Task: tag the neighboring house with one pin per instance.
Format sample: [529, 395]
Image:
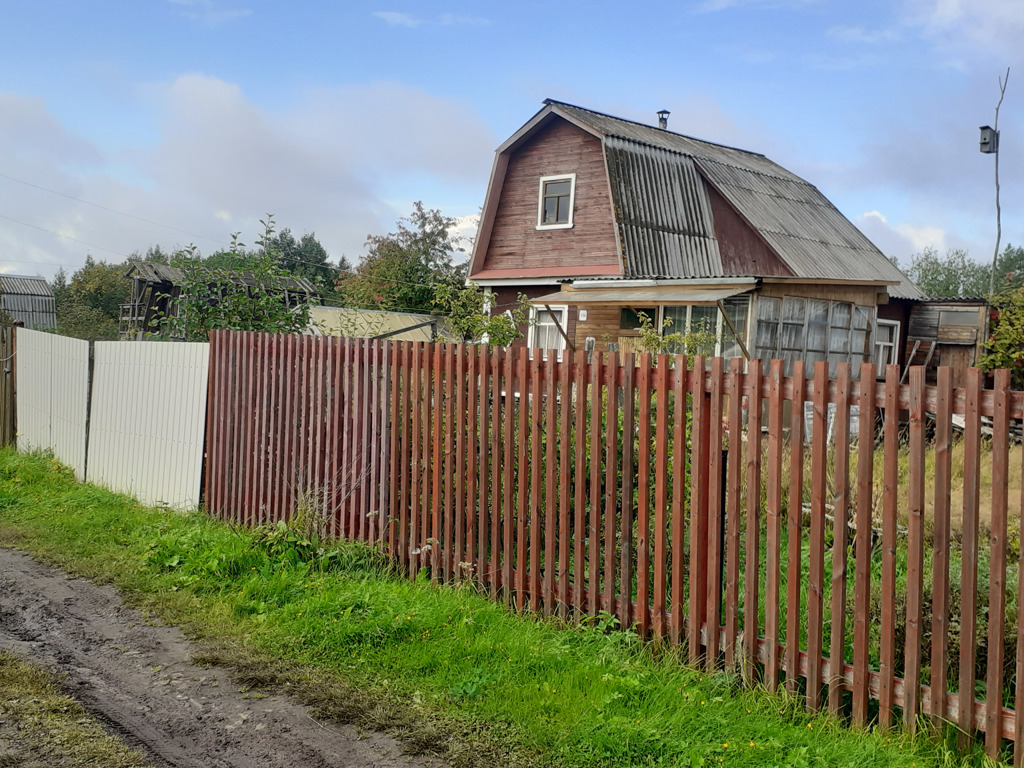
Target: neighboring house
[374, 323]
[157, 287]
[30, 300]
[948, 332]
[596, 219]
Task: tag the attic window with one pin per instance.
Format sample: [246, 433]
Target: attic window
[557, 197]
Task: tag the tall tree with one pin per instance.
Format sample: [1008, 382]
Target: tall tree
[950, 276]
[402, 269]
[306, 257]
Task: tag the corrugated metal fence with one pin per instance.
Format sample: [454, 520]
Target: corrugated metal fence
[132, 420]
[147, 420]
[53, 395]
[668, 498]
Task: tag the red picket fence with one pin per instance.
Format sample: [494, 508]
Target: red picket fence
[666, 497]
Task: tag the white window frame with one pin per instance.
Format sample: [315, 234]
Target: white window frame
[571, 178]
[531, 336]
[893, 354]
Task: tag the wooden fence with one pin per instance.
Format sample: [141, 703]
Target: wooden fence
[666, 494]
[7, 403]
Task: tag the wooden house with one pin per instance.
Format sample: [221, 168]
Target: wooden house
[597, 219]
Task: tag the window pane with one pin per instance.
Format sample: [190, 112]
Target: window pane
[563, 209]
[556, 188]
[550, 210]
[703, 319]
[677, 318]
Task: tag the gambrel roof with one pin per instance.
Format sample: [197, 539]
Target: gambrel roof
[659, 185]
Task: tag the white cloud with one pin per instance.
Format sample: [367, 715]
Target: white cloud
[398, 19]
[981, 26]
[209, 12]
[322, 164]
[852, 34]
[901, 240]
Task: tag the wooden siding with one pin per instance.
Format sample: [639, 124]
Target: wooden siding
[516, 243]
[864, 295]
[506, 297]
[742, 249]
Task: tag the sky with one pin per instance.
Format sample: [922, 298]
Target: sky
[125, 125]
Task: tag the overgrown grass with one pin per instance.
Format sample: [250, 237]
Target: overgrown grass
[444, 669]
[42, 728]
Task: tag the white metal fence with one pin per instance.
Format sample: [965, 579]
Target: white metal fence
[140, 427]
[147, 420]
[53, 395]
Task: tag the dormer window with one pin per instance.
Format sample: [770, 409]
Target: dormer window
[557, 196]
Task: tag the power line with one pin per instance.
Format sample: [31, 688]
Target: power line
[110, 210]
[58, 234]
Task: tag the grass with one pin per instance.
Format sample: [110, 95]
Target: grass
[444, 669]
[42, 728]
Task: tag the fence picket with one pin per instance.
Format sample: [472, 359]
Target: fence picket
[611, 439]
[841, 496]
[969, 553]
[997, 565]
[773, 524]
[940, 544]
[579, 497]
[550, 480]
[679, 474]
[890, 508]
[752, 532]
[915, 553]
[734, 488]
[564, 485]
[660, 493]
[626, 491]
[794, 524]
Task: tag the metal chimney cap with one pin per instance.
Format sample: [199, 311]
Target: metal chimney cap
[663, 118]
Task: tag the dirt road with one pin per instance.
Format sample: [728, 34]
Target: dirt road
[137, 677]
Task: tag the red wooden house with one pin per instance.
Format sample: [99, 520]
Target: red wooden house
[597, 219]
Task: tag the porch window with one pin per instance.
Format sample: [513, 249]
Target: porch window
[887, 334]
[557, 199]
[706, 318]
[543, 333]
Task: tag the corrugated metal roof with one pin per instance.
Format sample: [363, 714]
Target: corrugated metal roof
[30, 300]
[657, 179]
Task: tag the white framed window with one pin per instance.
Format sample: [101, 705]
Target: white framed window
[706, 318]
[887, 335]
[557, 200]
[544, 334]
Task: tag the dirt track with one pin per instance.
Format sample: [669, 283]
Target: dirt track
[137, 677]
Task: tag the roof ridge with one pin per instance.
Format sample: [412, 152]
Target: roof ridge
[550, 102]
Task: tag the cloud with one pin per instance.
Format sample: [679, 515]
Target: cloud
[851, 34]
[711, 6]
[209, 12]
[992, 27]
[398, 19]
[903, 239]
[326, 163]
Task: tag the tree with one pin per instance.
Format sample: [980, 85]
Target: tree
[307, 258]
[210, 299]
[1005, 345]
[950, 276]
[470, 318]
[402, 269]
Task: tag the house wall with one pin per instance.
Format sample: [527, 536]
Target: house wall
[742, 249]
[515, 241]
[507, 297]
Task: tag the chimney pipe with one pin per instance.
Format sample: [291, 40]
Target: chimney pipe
[663, 118]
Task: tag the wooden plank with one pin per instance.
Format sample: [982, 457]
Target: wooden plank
[493, 512]
[890, 506]
[536, 468]
[714, 518]
[698, 475]
[1018, 699]
[841, 502]
[611, 436]
[550, 489]
[416, 467]
[915, 553]
[643, 499]
[794, 525]
[564, 485]
[940, 546]
[426, 452]
[395, 454]
[773, 524]
[360, 437]
[816, 569]
[405, 456]
[508, 478]
[458, 543]
[580, 374]
[626, 487]
[734, 489]
[752, 533]
[522, 503]
[468, 555]
[438, 432]
[484, 463]
[997, 563]
[679, 478]
[863, 543]
[969, 551]
[594, 453]
[347, 478]
[661, 530]
[449, 559]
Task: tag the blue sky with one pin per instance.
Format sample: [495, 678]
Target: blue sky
[124, 125]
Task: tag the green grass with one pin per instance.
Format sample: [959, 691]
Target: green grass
[42, 728]
[446, 670]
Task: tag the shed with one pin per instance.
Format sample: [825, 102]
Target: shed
[30, 300]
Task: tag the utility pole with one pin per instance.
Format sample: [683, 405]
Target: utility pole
[990, 146]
